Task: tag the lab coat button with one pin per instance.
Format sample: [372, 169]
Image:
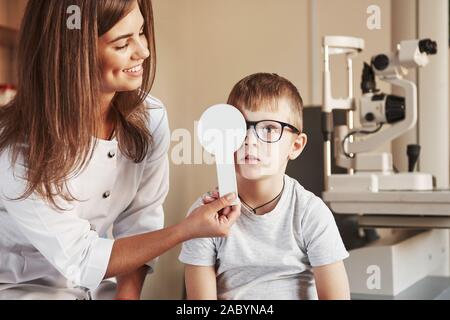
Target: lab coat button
[106, 194]
[70, 284]
[71, 276]
[111, 154]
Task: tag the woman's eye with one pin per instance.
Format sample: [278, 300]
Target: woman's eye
[122, 47]
[126, 45]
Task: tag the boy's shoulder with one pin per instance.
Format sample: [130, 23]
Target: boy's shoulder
[302, 195]
[303, 199]
[197, 203]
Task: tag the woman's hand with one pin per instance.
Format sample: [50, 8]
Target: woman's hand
[212, 196]
[213, 219]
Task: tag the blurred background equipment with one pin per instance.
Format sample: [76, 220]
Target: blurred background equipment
[401, 265]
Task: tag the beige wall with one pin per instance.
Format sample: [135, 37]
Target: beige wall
[5, 66]
[5, 53]
[11, 12]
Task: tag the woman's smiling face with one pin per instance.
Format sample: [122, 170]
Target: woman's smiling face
[122, 51]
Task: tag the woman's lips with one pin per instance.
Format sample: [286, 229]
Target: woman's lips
[135, 71]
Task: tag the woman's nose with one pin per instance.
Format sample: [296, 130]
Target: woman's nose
[142, 52]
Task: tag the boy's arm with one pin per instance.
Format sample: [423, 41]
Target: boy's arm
[200, 282]
[332, 282]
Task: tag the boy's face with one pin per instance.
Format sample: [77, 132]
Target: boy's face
[256, 158]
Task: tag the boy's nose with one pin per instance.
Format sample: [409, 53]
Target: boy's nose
[251, 137]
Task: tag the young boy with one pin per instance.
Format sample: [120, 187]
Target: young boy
[285, 245]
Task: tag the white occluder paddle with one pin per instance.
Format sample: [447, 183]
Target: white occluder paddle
[221, 132]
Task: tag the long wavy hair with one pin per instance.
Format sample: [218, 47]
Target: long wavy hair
[54, 116]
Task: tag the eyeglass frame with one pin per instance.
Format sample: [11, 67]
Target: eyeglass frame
[253, 124]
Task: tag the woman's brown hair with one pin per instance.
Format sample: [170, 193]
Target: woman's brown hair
[54, 116]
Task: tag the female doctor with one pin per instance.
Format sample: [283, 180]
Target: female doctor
[83, 149]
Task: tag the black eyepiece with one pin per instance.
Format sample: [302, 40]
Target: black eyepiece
[368, 83]
[380, 62]
[428, 46]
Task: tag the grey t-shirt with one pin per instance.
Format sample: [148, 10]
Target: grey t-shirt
[271, 256]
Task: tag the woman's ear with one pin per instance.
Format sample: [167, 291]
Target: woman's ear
[298, 146]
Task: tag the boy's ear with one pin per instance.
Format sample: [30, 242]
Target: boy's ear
[298, 146]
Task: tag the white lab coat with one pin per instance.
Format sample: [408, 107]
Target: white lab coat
[46, 254]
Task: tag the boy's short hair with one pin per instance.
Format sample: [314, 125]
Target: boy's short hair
[259, 89]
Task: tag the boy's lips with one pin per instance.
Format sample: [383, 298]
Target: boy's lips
[251, 159]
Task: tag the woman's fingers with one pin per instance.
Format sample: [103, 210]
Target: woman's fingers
[210, 197]
[207, 199]
[226, 210]
[220, 215]
[222, 202]
[234, 214]
[213, 196]
[209, 221]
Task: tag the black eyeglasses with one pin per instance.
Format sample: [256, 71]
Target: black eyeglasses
[270, 131]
